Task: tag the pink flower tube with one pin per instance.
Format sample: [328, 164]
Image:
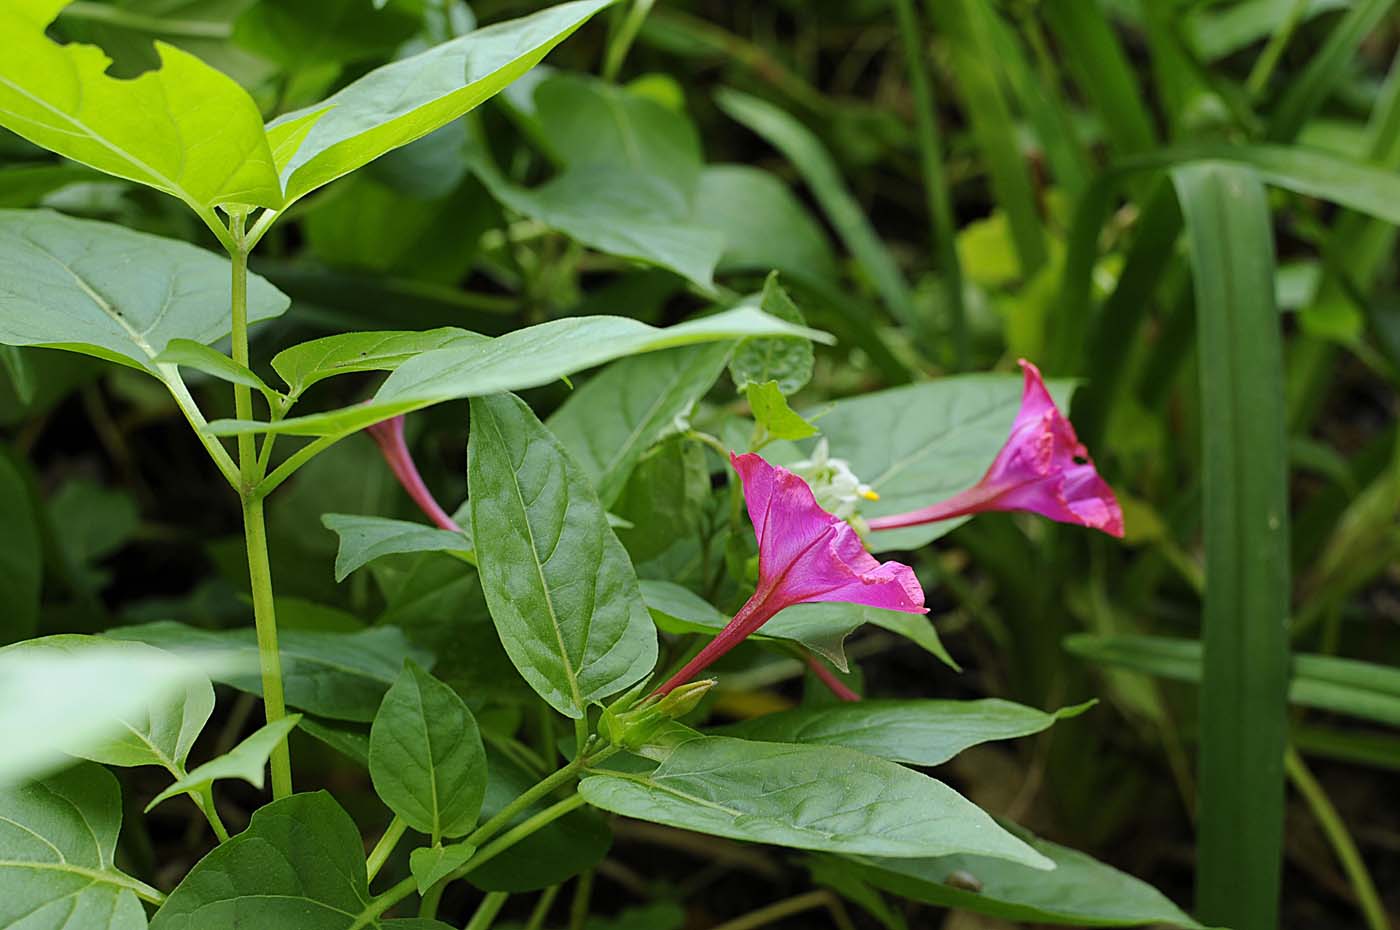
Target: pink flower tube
[389, 436]
[805, 556]
[1043, 468]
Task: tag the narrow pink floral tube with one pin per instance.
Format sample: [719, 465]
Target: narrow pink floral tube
[388, 434]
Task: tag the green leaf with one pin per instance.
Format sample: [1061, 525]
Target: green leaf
[913, 732]
[26, 185]
[1080, 892]
[524, 358]
[811, 159]
[1245, 477]
[21, 565]
[786, 360]
[106, 701]
[409, 98]
[196, 355]
[609, 423]
[1345, 686]
[185, 128]
[919, 444]
[364, 539]
[560, 586]
[303, 365]
[764, 225]
[426, 758]
[309, 33]
[809, 797]
[772, 413]
[69, 284]
[349, 739]
[664, 501]
[247, 760]
[431, 864]
[339, 675]
[300, 863]
[58, 838]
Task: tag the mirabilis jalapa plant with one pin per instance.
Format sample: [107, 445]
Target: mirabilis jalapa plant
[562, 590]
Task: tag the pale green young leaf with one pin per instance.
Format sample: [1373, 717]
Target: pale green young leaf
[809, 797]
[409, 98]
[560, 587]
[190, 354]
[611, 421]
[924, 732]
[300, 856]
[784, 360]
[58, 840]
[431, 864]
[68, 283]
[247, 760]
[773, 415]
[425, 756]
[184, 128]
[303, 365]
[21, 565]
[1080, 892]
[339, 675]
[364, 539]
[119, 703]
[521, 359]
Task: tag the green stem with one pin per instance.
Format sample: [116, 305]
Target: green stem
[1269, 58]
[380, 853]
[254, 526]
[428, 909]
[583, 898]
[512, 810]
[1342, 844]
[623, 38]
[160, 25]
[205, 802]
[935, 180]
[486, 913]
[170, 374]
[777, 911]
[294, 461]
[541, 911]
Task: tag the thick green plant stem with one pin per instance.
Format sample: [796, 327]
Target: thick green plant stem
[205, 801]
[1342, 844]
[583, 899]
[778, 910]
[940, 207]
[541, 912]
[488, 909]
[382, 849]
[254, 525]
[623, 38]
[508, 813]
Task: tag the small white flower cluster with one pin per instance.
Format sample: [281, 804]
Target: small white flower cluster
[837, 489]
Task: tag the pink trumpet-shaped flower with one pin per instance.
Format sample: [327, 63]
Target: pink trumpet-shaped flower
[389, 436]
[805, 555]
[1043, 468]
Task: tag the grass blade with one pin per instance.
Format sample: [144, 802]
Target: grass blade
[1245, 667]
[1326, 67]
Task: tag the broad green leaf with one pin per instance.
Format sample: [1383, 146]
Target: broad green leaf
[561, 589]
[1245, 503]
[1080, 892]
[364, 539]
[58, 839]
[426, 758]
[809, 797]
[91, 522]
[664, 501]
[807, 154]
[184, 128]
[409, 98]
[21, 565]
[431, 864]
[773, 415]
[107, 701]
[339, 675]
[26, 185]
[319, 32]
[524, 358]
[568, 846]
[1345, 686]
[200, 357]
[300, 863]
[303, 365]
[247, 760]
[919, 444]
[610, 422]
[785, 360]
[349, 739]
[763, 224]
[68, 284]
[914, 732]
[616, 213]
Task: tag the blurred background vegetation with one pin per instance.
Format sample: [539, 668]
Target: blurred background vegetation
[946, 186]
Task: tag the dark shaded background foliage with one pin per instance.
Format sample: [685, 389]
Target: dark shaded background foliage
[134, 531]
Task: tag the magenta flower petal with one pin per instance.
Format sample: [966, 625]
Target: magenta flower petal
[805, 556]
[1043, 468]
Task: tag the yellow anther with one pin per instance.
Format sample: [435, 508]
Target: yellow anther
[869, 494]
